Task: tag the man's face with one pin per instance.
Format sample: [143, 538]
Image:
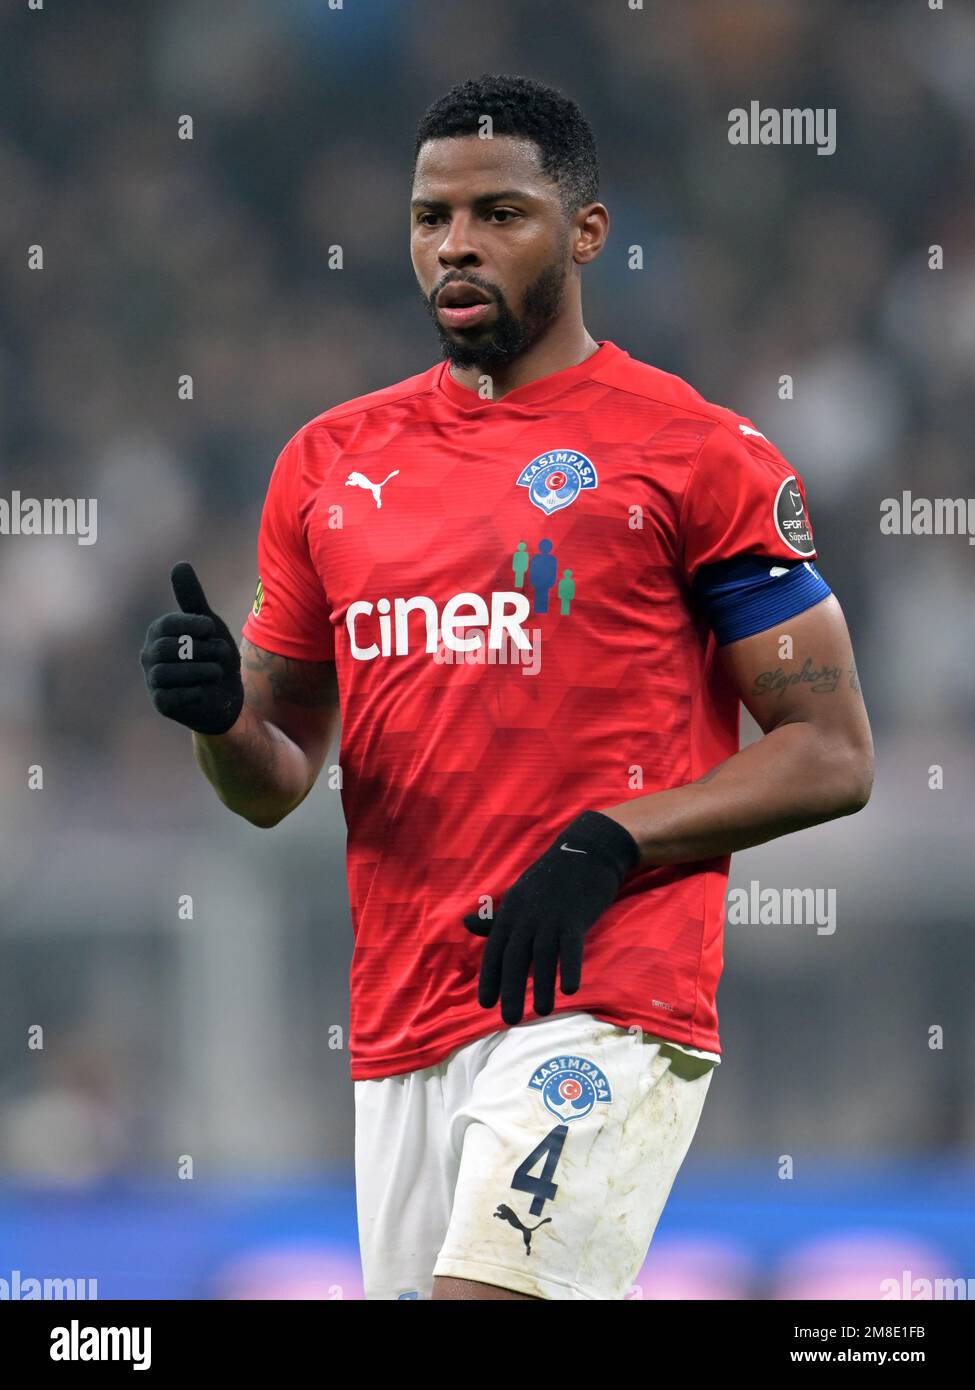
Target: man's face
[488, 223]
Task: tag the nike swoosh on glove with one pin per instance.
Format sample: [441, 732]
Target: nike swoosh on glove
[544, 916]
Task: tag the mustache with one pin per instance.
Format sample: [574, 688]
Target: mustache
[483, 285]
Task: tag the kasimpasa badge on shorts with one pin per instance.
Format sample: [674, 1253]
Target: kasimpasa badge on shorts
[571, 1086]
[554, 479]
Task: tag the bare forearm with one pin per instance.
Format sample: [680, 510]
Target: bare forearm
[792, 778]
[256, 770]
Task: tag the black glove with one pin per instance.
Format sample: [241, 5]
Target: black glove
[544, 916]
[203, 692]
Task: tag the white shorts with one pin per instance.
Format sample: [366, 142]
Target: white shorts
[536, 1159]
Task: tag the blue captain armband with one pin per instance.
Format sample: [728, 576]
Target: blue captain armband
[752, 593]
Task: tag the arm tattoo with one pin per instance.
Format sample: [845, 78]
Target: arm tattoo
[822, 680]
[310, 684]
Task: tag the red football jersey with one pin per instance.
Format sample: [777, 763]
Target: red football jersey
[505, 590]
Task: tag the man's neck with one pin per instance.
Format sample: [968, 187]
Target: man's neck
[555, 352]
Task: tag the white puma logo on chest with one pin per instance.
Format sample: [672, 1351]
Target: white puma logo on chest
[360, 480]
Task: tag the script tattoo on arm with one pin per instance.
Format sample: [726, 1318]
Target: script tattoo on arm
[820, 680]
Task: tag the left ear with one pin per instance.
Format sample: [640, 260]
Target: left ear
[590, 230]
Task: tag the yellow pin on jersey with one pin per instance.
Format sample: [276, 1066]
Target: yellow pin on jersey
[258, 598]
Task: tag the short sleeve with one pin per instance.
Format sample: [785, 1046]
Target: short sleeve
[290, 614]
[742, 498]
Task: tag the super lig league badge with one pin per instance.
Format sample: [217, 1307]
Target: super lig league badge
[571, 1087]
[555, 479]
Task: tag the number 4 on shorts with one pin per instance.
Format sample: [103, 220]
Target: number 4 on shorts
[543, 1189]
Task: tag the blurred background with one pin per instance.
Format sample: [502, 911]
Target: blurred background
[222, 1038]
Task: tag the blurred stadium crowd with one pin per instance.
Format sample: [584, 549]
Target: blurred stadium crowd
[209, 256]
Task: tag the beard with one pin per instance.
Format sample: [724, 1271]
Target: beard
[510, 334]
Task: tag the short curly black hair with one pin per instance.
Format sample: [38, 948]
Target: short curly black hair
[532, 110]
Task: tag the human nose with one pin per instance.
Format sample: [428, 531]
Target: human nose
[458, 246]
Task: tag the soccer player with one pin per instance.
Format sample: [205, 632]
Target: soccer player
[538, 580]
